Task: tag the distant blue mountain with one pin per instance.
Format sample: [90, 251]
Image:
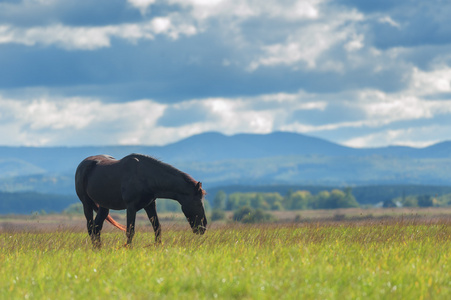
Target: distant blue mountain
[204, 147]
[216, 146]
[217, 159]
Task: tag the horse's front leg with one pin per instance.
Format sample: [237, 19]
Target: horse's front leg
[151, 211]
[131, 217]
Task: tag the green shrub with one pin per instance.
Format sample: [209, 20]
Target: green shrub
[242, 212]
[247, 214]
[217, 215]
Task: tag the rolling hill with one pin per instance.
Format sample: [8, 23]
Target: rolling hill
[217, 159]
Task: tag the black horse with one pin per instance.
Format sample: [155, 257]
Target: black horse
[132, 183]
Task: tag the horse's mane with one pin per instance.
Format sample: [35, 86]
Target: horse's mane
[171, 169]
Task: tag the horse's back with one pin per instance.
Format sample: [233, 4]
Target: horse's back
[103, 176]
[101, 159]
[87, 165]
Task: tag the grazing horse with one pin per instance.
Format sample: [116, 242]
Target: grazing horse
[132, 183]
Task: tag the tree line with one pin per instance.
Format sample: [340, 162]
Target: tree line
[293, 200]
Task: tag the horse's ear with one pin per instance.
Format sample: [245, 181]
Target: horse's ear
[199, 188]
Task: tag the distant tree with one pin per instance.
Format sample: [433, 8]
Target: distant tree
[220, 199]
[239, 214]
[217, 214]
[257, 216]
[409, 202]
[76, 208]
[389, 203]
[169, 205]
[254, 200]
[272, 198]
[277, 206]
[300, 200]
[334, 199]
[444, 200]
[321, 200]
[425, 201]
[258, 201]
[247, 214]
[348, 200]
[232, 203]
[287, 199]
[237, 200]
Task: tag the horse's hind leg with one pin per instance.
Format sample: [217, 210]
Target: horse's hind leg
[151, 211]
[89, 215]
[102, 213]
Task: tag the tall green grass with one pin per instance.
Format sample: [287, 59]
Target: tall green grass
[375, 261]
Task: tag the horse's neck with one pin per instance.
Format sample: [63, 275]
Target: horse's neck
[176, 190]
[171, 184]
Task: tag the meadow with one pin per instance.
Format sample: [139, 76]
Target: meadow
[396, 258]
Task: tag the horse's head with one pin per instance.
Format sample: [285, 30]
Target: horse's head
[194, 211]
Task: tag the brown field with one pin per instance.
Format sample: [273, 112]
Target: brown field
[52, 222]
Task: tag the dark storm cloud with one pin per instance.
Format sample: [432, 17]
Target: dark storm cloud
[358, 72]
[167, 69]
[415, 22]
[159, 70]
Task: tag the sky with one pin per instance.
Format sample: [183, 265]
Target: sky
[150, 72]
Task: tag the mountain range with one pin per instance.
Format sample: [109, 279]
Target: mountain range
[247, 159]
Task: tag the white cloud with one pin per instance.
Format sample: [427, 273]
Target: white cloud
[355, 43]
[375, 110]
[91, 38]
[142, 5]
[47, 121]
[309, 42]
[412, 136]
[260, 114]
[390, 21]
[86, 38]
[431, 82]
[382, 108]
[202, 10]
[305, 47]
[83, 121]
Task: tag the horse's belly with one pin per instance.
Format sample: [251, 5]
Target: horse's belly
[107, 199]
[105, 192]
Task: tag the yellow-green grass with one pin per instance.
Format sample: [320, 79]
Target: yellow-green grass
[281, 261]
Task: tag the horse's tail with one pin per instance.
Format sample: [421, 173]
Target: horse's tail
[83, 170]
[115, 224]
[110, 219]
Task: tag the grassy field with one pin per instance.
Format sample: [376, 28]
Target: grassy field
[396, 258]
